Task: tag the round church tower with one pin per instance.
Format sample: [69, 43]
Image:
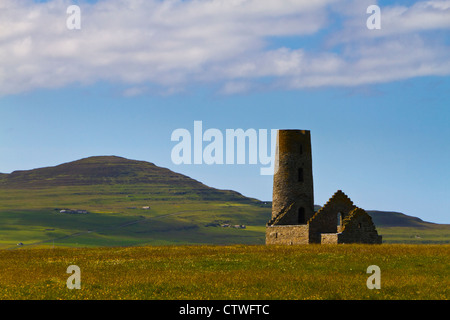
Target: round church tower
[293, 178]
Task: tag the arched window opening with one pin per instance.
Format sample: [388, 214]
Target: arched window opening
[300, 174]
[301, 216]
[339, 219]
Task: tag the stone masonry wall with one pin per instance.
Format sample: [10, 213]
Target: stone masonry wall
[325, 220]
[282, 234]
[329, 238]
[359, 228]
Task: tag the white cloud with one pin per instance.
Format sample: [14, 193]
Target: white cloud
[174, 43]
[134, 91]
[396, 20]
[234, 87]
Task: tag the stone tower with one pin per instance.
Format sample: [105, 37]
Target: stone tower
[293, 194]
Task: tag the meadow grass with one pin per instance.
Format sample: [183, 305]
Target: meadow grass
[228, 272]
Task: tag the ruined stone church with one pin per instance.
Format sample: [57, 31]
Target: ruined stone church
[294, 220]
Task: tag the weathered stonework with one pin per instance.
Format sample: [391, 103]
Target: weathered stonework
[293, 179]
[359, 228]
[293, 218]
[329, 238]
[285, 234]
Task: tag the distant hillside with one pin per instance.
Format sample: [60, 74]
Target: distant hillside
[393, 219]
[96, 170]
[396, 219]
[128, 202]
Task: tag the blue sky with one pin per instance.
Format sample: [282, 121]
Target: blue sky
[377, 102]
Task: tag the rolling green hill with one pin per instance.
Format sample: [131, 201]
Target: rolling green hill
[112, 171]
[397, 227]
[132, 202]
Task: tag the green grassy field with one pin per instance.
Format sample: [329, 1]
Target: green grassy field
[228, 272]
[438, 234]
[177, 223]
[116, 218]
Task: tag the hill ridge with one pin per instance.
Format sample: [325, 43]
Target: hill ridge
[92, 170]
[112, 170]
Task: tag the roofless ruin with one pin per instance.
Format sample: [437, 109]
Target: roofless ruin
[294, 220]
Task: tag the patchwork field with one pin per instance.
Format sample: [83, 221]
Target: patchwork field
[228, 272]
